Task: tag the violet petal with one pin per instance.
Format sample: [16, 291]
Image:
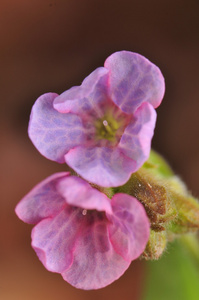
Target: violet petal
[54, 133]
[42, 201]
[133, 80]
[103, 166]
[129, 227]
[78, 192]
[95, 263]
[136, 139]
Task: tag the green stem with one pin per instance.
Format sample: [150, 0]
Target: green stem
[191, 243]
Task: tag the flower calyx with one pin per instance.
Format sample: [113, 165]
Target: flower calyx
[170, 207]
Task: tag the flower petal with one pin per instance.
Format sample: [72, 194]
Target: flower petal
[78, 192]
[53, 239]
[42, 201]
[104, 166]
[87, 98]
[133, 80]
[95, 263]
[136, 139]
[129, 227]
[53, 133]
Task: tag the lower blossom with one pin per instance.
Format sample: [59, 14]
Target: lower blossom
[82, 234]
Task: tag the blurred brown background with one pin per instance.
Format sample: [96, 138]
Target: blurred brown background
[51, 45]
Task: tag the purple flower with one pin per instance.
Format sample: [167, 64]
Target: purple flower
[103, 128]
[81, 233]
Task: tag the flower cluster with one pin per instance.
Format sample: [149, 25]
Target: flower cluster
[102, 129]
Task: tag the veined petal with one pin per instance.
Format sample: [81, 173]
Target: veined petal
[100, 165]
[95, 263]
[78, 192]
[53, 239]
[42, 201]
[53, 133]
[87, 98]
[129, 227]
[133, 80]
[136, 139]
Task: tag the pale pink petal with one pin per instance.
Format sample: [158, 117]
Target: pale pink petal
[95, 263]
[87, 98]
[54, 239]
[53, 133]
[100, 165]
[42, 201]
[78, 192]
[136, 139]
[129, 227]
[133, 80]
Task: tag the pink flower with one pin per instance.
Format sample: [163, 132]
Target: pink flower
[81, 233]
[103, 128]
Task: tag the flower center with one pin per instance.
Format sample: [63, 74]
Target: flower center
[91, 216]
[106, 128]
[110, 128]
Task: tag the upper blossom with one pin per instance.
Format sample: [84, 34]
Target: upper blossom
[103, 128]
[81, 233]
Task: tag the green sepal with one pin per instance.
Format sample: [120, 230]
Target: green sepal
[155, 246]
[187, 219]
[158, 165]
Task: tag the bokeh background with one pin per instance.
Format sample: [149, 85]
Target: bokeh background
[51, 45]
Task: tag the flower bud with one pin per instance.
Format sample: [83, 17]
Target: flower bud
[170, 207]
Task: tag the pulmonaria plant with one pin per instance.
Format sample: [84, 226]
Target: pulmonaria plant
[81, 233]
[132, 204]
[103, 128]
